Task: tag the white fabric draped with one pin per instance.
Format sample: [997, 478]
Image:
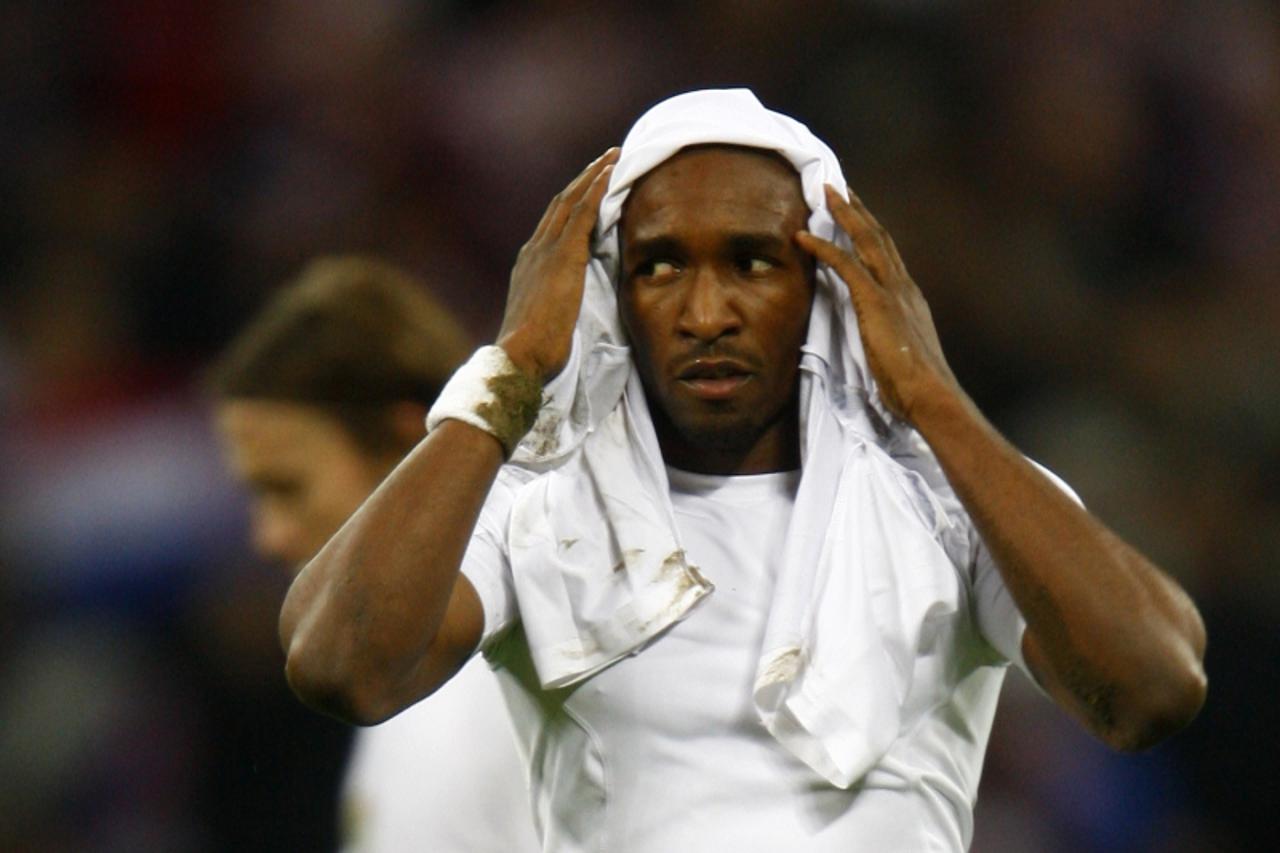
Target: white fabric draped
[598, 568]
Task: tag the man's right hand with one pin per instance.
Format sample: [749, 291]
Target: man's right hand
[547, 280]
[382, 616]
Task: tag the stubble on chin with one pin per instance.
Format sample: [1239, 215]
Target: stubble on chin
[724, 430]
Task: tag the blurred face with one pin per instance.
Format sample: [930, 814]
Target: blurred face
[715, 297]
[305, 472]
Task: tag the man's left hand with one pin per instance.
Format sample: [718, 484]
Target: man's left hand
[898, 334]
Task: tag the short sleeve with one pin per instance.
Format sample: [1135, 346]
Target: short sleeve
[998, 617]
[486, 563]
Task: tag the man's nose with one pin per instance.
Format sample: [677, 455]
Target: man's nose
[708, 312]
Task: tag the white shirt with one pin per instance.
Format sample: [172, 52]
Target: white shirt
[663, 750]
[442, 776]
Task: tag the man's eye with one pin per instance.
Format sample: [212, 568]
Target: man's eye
[755, 265]
[656, 269]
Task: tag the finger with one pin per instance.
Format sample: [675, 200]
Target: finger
[889, 247]
[554, 211]
[562, 205]
[849, 268]
[872, 243]
[582, 218]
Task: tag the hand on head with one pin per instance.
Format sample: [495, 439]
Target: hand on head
[547, 280]
[898, 334]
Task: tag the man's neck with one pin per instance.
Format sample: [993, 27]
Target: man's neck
[776, 448]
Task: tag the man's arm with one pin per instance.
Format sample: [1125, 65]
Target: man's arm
[1112, 638]
[381, 616]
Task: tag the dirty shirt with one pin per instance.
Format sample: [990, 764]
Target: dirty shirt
[664, 751]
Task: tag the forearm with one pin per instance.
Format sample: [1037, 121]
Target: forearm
[361, 624]
[1109, 635]
[380, 617]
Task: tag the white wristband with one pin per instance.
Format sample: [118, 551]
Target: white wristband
[490, 393]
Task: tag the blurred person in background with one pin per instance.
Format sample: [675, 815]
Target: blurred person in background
[319, 396]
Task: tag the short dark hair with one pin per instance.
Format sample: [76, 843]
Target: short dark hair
[350, 336]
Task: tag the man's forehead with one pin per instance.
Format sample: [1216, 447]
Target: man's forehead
[730, 152]
[751, 179]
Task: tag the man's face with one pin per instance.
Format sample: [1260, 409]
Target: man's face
[304, 470]
[715, 296]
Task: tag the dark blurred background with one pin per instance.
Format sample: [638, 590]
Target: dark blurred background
[1088, 192]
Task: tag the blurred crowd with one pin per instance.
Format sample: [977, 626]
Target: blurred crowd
[1088, 193]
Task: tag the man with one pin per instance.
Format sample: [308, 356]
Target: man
[757, 564]
[317, 399]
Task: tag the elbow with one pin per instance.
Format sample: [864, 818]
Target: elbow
[327, 666]
[1171, 695]
[1161, 711]
[321, 680]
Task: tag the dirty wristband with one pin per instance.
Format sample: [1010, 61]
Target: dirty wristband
[490, 393]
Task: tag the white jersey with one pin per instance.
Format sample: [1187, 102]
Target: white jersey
[442, 776]
[663, 751]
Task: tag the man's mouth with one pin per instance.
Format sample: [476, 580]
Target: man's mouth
[714, 378]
